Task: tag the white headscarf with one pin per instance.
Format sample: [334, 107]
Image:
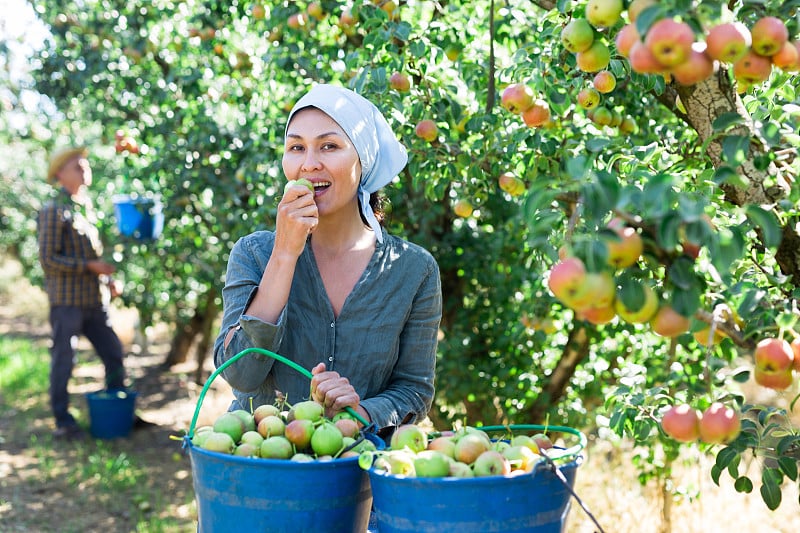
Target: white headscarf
[382, 155]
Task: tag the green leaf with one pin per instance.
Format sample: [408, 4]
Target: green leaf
[788, 465]
[771, 493]
[725, 456]
[743, 484]
[725, 120]
[667, 230]
[716, 472]
[765, 220]
[726, 174]
[735, 149]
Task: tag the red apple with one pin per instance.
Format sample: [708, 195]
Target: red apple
[577, 35]
[670, 41]
[399, 82]
[537, 115]
[566, 277]
[625, 39]
[347, 22]
[698, 67]
[637, 6]
[299, 432]
[769, 34]
[603, 13]
[776, 380]
[682, 423]
[719, 424]
[626, 249]
[443, 444]
[604, 81]
[315, 10]
[588, 98]
[642, 59]
[598, 315]
[427, 130]
[669, 323]
[511, 184]
[259, 12]
[787, 57]
[462, 208]
[728, 42]
[774, 355]
[596, 290]
[595, 58]
[517, 98]
[752, 68]
[795, 344]
[469, 447]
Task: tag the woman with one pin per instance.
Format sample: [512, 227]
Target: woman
[330, 289]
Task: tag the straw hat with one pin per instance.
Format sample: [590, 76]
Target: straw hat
[60, 158]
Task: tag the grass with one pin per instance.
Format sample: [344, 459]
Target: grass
[109, 475]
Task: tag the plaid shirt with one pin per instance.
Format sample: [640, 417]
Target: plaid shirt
[67, 242]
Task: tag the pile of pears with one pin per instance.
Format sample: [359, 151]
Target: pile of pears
[299, 432]
[464, 453]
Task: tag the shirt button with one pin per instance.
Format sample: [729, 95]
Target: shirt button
[332, 324]
[330, 359]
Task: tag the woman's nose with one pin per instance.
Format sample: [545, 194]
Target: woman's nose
[310, 161]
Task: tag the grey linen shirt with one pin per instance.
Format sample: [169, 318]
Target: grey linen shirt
[383, 341]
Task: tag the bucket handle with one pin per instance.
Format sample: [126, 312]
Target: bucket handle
[567, 452]
[238, 356]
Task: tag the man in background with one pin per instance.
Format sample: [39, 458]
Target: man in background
[77, 281]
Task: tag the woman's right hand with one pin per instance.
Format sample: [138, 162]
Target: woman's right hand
[297, 218]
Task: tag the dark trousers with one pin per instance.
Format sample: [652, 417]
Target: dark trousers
[68, 322]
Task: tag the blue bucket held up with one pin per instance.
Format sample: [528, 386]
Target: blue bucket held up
[111, 413]
[139, 217]
[538, 502]
[274, 495]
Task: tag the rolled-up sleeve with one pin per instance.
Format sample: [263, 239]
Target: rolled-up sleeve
[242, 278]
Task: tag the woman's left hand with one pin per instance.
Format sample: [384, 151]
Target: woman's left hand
[333, 391]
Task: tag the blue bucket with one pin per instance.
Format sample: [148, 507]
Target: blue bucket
[111, 413]
[538, 502]
[276, 496]
[139, 217]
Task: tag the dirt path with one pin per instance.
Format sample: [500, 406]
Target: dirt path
[39, 487]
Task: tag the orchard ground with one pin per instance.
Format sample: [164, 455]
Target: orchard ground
[49, 486]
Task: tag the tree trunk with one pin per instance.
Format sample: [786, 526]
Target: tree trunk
[706, 102]
[207, 334]
[185, 333]
[575, 351]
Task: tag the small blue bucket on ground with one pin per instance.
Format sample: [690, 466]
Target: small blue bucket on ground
[274, 495]
[538, 502]
[111, 413]
[139, 217]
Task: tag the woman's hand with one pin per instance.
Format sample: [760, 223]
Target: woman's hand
[333, 391]
[297, 217]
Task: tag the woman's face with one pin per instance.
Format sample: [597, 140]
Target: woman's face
[319, 150]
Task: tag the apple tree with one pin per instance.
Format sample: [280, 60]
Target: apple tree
[610, 189]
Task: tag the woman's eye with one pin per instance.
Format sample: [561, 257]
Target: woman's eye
[329, 146]
[295, 148]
